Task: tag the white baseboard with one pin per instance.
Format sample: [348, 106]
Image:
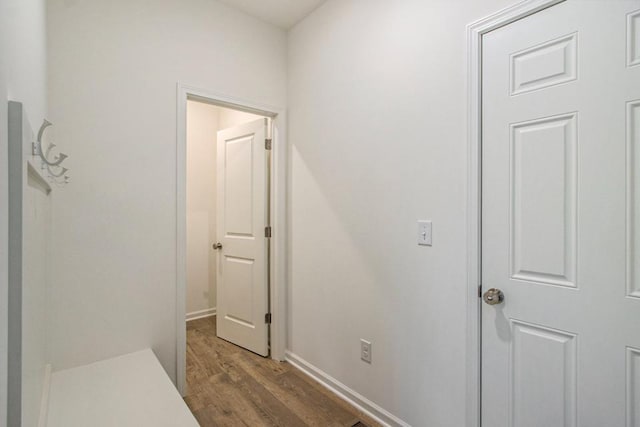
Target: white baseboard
[201, 314]
[44, 400]
[352, 397]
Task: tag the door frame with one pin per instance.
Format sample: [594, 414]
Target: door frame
[475, 32]
[278, 189]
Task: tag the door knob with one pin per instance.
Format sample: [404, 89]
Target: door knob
[217, 246]
[493, 296]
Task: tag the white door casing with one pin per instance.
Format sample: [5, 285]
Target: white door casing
[277, 213]
[242, 215]
[560, 210]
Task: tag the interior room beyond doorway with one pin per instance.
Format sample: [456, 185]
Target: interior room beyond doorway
[204, 121]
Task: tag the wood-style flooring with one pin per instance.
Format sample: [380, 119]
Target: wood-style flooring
[230, 386]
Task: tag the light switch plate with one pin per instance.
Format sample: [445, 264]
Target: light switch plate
[424, 233]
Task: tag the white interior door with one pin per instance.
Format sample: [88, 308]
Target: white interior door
[561, 218]
[242, 277]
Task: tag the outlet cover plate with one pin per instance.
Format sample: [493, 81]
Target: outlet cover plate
[365, 351]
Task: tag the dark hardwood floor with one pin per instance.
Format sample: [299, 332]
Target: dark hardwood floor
[230, 386]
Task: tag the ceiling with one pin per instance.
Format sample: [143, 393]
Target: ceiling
[281, 13]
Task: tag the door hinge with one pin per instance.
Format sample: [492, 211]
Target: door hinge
[267, 318]
[267, 231]
[268, 143]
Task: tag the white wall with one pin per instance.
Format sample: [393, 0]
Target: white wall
[377, 102]
[202, 130]
[113, 72]
[229, 118]
[22, 78]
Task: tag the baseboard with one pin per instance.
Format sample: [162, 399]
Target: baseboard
[44, 400]
[352, 397]
[201, 314]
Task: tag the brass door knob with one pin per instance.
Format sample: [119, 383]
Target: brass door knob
[493, 296]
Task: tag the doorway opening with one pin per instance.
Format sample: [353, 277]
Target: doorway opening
[227, 208]
[230, 225]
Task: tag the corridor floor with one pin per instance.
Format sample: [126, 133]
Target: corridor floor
[230, 386]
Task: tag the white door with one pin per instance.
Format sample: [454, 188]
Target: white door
[561, 218]
[242, 215]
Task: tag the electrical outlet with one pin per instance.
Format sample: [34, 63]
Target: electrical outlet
[365, 350]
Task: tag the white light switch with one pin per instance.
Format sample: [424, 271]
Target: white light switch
[424, 233]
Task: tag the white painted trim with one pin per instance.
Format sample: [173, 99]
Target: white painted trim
[277, 214]
[44, 400]
[201, 314]
[475, 31]
[352, 397]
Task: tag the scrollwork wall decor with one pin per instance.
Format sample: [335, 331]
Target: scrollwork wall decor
[53, 165]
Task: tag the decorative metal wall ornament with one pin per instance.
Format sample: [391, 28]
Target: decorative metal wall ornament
[57, 173]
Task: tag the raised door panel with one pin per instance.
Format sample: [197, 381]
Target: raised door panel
[238, 181]
[633, 38]
[633, 387]
[543, 376]
[633, 199]
[543, 199]
[239, 290]
[547, 64]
